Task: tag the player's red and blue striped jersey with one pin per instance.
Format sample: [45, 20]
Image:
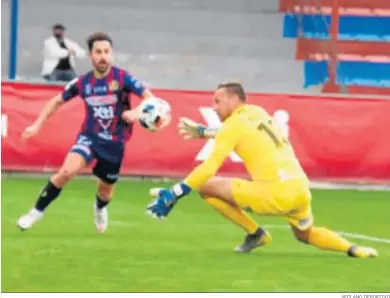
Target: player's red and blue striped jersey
[105, 99]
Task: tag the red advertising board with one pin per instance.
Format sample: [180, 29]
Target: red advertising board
[334, 138]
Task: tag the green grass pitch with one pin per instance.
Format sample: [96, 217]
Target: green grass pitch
[191, 251]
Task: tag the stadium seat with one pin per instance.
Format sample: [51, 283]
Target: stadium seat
[362, 28]
[361, 48]
[349, 73]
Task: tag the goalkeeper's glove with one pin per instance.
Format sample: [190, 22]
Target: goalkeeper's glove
[194, 130]
[166, 200]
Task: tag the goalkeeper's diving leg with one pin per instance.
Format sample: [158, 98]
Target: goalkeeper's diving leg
[217, 193]
[229, 196]
[326, 239]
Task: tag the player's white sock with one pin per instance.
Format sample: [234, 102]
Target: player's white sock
[101, 218]
[26, 221]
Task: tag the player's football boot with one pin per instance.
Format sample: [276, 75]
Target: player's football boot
[259, 238]
[101, 219]
[362, 252]
[26, 221]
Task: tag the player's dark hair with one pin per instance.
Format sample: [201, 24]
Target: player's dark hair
[234, 88]
[97, 36]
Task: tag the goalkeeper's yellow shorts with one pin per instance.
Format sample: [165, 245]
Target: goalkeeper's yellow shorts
[290, 198]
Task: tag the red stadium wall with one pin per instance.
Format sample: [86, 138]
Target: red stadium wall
[334, 138]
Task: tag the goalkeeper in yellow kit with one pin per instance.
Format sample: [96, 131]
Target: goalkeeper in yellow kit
[278, 185]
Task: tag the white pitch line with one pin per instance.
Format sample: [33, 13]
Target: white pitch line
[365, 237]
[285, 227]
[346, 234]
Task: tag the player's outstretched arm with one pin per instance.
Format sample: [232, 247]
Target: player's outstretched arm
[191, 129]
[166, 199]
[48, 110]
[134, 114]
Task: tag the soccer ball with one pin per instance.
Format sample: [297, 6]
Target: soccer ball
[155, 114]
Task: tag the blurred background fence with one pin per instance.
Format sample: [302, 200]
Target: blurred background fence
[269, 45]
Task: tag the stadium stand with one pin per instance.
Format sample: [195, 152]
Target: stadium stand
[246, 40]
[183, 44]
[360, 49]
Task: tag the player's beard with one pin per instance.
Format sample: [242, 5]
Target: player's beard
[102, 67]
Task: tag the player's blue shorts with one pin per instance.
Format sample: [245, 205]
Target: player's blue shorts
[108, 156]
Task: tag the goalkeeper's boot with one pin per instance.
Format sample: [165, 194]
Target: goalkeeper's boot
[362, 252]
[259, 238]
[101, 218]
[26, 221]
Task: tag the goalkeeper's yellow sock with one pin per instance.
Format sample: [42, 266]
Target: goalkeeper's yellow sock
[328, 240]
[234, 214]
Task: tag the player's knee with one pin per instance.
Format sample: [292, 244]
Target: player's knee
[203, 196]
[216, 187]
[104, 195]
[302, 235]
[105, 191]
[204, 190]
[63, 176]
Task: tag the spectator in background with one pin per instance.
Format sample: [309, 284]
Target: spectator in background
[59, 56]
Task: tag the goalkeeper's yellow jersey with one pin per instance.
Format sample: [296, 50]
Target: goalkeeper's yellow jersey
[251, 132]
